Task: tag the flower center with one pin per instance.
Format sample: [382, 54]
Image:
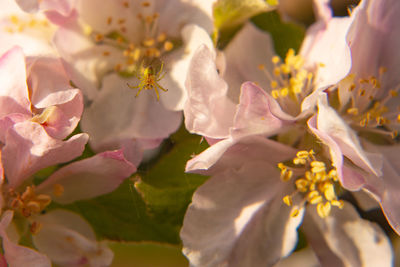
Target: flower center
[27, 24]
[313, 181]
[28, 203]
[133, 53]
[371, 108]
[290, 82]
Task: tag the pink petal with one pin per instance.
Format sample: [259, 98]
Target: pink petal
[343, 238]
[245, 52]
[349, 179]
[16, 255]
[376, 33]
[89, 178]
[193, 36]
[254, 114]
[69, 240]
[116, 114]
[237, 218]
[330, 123]
[35, 149]
[325, 44]
[14, 96]
[208, 111]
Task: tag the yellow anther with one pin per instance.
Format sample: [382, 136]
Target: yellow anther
[393, 93]
[284, 91]
[106, 53]
[299, 161]
[322, 65]
[302, 184]
[275, 94]
[324, 209]
[145, 4]
[33, 206]
[394, 134]
[125, 4]
[312, 194]
[315, 200]
[277, 71]
[274, 84]
[161, 37]
[44, 200]
[281, 166]
[285, 68]
[87, 30]
[58, 190]
[398, 118]
[286, 174]
[14, 19]
[295, 212]
[148, 42]
[337, 203]
[276, 59]
[168, 46]
[352, 111]
[99, 37]
[261, 66]
[288, 200]
[329, 192]
[317, 166]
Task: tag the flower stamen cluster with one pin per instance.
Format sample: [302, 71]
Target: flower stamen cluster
[368, 109]
[316, 183]
[150, 48]
[290, 82]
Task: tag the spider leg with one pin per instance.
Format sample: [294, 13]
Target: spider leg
[156, 90]
[138, 92]
[132, 87]
[160, 87]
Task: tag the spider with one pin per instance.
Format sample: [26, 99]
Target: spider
[149, 80]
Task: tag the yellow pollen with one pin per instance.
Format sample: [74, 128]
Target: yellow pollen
[393, 93]
[29, 203]
[168, 46]
[317, 185]
[324, 209]
[275, 94]
[274, 84]
[125, 4]
[295, 212]
[288, 200]
[106, 53]
[148, 42]
[261, 66]
[99, 37]
[161, 37]
[352, 111]
[121, 21]
[145, 4]
[276, 59]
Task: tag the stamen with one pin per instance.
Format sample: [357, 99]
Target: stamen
[317, 185]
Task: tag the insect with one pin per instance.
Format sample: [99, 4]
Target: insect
[149, 79]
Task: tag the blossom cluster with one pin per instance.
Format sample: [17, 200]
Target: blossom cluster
[298, 144]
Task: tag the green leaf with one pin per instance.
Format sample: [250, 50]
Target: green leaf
[122, 215]
[143, 255]
[285, 35]
[150, 206]
[231, 13]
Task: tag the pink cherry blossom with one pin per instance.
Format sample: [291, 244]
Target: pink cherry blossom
[364, 127]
